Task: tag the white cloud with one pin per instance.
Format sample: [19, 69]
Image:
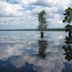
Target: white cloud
[10, 9]
[25, 21]
[28, 1]
[28, 9]
[52, 3]
[60, 3]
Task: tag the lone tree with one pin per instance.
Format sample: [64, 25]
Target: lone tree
[68, 19]
[42, 22]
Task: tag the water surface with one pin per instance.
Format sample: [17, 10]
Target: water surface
[25, 51]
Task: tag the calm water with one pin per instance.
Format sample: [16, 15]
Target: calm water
[25, 51]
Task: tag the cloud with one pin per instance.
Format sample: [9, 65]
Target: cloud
[25, 21]
[54, 11]
[28, 1]
[54, 16]
[10, 9]
[53, 3]
[59, 3]
[19, 53]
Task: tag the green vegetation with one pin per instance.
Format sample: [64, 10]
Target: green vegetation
[68, 19]
[68, 28]
[42, 22]
[68, 15]
[42, 27]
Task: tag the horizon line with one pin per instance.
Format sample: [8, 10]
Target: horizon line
[49, 29]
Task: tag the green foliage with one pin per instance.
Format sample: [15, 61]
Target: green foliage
[42, 21]
[68, 28]
[68, 15]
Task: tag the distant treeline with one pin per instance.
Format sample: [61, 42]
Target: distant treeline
[50, 29]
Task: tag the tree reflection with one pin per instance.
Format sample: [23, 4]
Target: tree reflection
[42, 47]
[67, 67]
[69, 38]
[68, 52]
[68, 48]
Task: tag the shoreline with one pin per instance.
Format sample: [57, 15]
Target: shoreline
[50, 29]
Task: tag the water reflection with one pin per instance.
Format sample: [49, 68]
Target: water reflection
[42, 45]
[68, 52]
[42, 48]
[44, 54]
[6, 66]
[68, 48]
[67, 67]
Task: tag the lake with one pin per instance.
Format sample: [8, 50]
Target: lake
[25, 51]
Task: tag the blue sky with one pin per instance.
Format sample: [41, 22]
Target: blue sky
[24, 13]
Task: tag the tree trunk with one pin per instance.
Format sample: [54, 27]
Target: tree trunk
[69, 34]
[42, 34]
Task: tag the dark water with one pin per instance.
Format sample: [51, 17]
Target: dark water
[26, 52]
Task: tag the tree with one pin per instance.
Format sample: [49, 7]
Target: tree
[42, 22]
[68, 19]
[68, 15]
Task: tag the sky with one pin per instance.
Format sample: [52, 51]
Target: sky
[24, 13]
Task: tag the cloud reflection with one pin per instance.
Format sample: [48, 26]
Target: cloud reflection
[27, 52]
